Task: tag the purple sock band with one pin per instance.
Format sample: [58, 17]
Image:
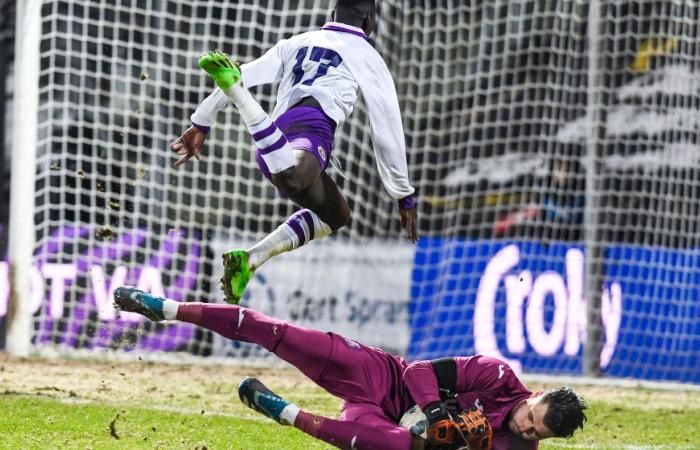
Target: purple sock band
[260, 135]
[202, 128]
[281, 142]
[306, 215]
[407, 203]
[294, 224]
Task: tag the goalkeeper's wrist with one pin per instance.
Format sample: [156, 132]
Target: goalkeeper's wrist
[203, 128]
[435, 412]
[407, 203]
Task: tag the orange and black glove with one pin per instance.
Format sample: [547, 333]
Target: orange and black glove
[475, 429]
[443, 433]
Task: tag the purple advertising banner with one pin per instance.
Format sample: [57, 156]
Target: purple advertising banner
[75, 274]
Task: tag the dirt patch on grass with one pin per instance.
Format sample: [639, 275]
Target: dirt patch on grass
[191, 387]
[212, 388]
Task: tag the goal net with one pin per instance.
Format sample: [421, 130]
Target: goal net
[547, 140]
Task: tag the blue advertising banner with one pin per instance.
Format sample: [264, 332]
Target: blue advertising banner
[524, 302]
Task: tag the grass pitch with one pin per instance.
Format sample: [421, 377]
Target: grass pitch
[66, 404]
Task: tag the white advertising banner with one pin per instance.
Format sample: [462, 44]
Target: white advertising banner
[360, 291]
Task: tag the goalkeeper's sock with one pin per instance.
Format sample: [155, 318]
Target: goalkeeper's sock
[170, 309]
[289, 413]
[269, 139]
[300, 228]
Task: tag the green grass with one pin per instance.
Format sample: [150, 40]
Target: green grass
[43, 423]
[38, 422]
[612, 425]
[62, 404]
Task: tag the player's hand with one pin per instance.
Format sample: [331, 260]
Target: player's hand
[188, 145]
[444, 435]
[409, 218]
[475, 429]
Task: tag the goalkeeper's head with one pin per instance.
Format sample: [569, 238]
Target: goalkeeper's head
[358, 13]
[554, 413]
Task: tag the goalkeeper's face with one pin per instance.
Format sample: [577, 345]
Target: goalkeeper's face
[527, 419]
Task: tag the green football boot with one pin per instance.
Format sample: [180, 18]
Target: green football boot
[224, 71]
[237, 274]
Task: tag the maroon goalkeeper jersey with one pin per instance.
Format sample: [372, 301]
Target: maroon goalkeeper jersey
[484, 382]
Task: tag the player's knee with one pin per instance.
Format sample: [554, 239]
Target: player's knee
[336, 215]
[290, 181]
[341, 218]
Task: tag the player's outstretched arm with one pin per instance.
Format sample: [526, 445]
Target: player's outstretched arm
[188, 145]
[382, 102]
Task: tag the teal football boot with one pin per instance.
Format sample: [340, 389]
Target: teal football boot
[130, 299]
[257, 396]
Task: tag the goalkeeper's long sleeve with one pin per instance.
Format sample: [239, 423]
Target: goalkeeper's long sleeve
[422, 383]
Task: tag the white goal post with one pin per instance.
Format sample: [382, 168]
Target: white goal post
[24, 143]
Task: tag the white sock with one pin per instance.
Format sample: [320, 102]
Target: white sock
[300, 228]
[273, 244]
[170, 309]
[250, 110]
[289, 414]
[272, 143]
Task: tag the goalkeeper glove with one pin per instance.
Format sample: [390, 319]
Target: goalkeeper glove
[475, 429]
[443, 433]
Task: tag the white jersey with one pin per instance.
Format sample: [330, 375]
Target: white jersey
[330, 65]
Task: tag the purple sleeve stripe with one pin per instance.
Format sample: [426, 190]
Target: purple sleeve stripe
[260, 135]
[306, 215]
[296, 226]
[407, 203]
[281, 142]
[204, 129]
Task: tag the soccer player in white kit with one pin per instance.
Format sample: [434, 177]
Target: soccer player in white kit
[319, 73]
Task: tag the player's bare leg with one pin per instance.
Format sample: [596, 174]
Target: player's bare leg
[276, 151]
[325, 211]
[293, 172]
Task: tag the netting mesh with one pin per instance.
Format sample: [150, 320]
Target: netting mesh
[548, 152]
[520, 143]
[118, 84]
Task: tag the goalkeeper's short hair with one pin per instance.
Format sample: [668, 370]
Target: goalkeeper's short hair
[353, 11]
[565, 413]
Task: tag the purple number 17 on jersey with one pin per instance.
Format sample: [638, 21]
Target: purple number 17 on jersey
[325, 57]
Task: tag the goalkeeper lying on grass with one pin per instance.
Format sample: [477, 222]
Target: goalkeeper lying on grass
[473, 402]
[320, 75]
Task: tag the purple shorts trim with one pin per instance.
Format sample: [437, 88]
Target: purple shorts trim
[308, 129]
